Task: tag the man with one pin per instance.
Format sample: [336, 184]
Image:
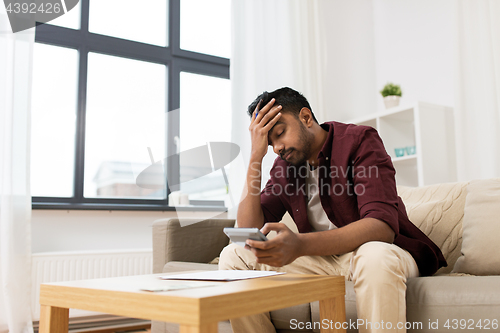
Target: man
[337, 182]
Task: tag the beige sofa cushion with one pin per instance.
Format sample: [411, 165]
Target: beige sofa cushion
[438, 211]
[444, 298]
[481, 229]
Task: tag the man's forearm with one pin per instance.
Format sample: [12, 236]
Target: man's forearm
[249, 210]
[345, 239]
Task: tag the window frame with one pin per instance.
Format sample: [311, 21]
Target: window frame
[173, 57]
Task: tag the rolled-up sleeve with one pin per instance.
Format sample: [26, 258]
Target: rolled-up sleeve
[374, 180]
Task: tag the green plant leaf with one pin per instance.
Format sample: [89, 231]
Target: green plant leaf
[391, 89]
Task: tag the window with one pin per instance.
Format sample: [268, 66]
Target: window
[54, 101]
[194, 134]
[118, 86]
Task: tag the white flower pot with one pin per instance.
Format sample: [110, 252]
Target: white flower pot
[391, 101]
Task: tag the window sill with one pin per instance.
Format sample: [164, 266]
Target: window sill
[136, 207]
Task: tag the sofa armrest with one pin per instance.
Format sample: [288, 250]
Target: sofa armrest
[198, 242]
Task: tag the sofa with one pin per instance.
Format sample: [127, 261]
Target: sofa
[462, 218]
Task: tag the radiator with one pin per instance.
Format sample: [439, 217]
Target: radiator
[69, 266]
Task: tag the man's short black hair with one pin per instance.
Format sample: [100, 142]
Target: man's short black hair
[291, 100]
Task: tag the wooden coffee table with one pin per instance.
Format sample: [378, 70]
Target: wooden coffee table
[197, 309]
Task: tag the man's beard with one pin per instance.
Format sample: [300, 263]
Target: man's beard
[303, 154]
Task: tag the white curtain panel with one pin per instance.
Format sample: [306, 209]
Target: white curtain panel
[275, 43]
[15, 199]
[478, 89]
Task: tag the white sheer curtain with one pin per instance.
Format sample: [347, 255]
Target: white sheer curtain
[275, 43]
[15, 200]
[478, 89]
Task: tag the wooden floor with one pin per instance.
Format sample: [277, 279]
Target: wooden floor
[134, 329]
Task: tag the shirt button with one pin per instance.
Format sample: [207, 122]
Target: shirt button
[327, 158]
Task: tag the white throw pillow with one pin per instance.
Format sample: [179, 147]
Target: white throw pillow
[481, 229]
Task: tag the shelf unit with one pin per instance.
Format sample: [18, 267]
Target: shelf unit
[428, 127]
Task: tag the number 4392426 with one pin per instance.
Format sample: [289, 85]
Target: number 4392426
[33, 8]
[471, 324]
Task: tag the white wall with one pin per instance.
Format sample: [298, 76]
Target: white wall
[83, 230]
[350, 89]
[372, 42]
[414, 47]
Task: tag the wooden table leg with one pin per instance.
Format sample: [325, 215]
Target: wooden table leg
[53, 319]
[207, 328]
[333, 310]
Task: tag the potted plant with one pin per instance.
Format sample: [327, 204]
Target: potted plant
[391, 93]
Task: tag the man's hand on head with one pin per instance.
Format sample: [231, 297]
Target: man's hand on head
[262, 121]
[279, 251]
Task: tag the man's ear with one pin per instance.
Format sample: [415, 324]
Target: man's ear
[305, 116]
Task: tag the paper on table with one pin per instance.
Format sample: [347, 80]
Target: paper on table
[221, 275]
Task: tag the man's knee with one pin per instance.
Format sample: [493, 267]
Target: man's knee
[228, 256]
[376, 259]
[236, 257]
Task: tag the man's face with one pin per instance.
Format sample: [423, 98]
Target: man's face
[291, 139]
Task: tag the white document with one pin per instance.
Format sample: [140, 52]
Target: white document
[221, 275]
